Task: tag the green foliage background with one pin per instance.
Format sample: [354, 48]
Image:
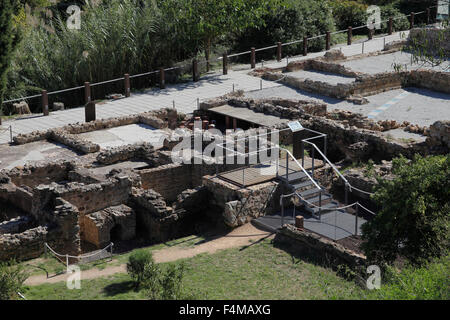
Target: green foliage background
[414, 219]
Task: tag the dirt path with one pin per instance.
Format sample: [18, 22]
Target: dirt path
[239, 237]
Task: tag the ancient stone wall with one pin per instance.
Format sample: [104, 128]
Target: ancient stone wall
[18, 197]
[36, 174]
[154, 218]
[97, 226]
[439, 136]
[337, 253]
[159, 119]
[238, 206]
[168, 180]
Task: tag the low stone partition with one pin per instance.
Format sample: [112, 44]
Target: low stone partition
[41, 173]
[335, 252]
[159, 119]
[15, 225]
[364, 84]
[125, 153]
[73, 141]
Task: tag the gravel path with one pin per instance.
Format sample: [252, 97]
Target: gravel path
[239, 237]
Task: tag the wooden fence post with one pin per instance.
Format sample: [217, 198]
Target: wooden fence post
[45, 103]
[349, 35]
[328, 41]
[278, 51]
[225, 63]
[162, 79]
[305, 46]
[253, 58]
[127, 85]
[411, 23]
[87, 92]
[195, 75]
[428, 15]
[390, 25]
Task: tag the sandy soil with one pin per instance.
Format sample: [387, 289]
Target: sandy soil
[239, 237]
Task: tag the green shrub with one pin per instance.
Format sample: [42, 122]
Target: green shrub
[291, 21]
[170, 284]
[430, 282]
[12, 277]
[157, 282]
[349, 14]
[141, 267]
[414, 218]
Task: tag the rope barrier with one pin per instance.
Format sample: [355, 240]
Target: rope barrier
[80, 257]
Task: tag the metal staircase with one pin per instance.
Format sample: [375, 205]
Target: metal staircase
[300, 184]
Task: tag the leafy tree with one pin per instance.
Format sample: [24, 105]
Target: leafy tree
[206, 21]
[289, 21]
[8, 41]
[415, 212]
[12, 277]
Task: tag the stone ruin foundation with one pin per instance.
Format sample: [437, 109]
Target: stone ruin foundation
[76, 207]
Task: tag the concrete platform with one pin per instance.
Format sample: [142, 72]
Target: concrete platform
[334, 225]
[327, 77]
[248, 115]
[124, 135]
[385, 63]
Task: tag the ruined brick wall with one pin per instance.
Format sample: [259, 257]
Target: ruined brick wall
[95, 197]
[23, 246]
[97, 226]
[155, 220]
[36, 174]
[335, 252]
[168, 180]
[18, 197]
[236, 206]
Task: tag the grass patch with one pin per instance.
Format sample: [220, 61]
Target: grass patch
[259, 271]
[53, 266]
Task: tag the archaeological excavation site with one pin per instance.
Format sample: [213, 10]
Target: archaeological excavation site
[292, 151]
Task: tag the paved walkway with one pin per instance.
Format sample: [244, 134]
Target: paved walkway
[184, 95]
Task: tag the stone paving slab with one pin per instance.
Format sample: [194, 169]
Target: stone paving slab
[322, 76]
[421, 106]
[125, 135]
[385, 63]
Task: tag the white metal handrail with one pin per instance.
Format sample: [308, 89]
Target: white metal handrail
[329, 162]
[301, 167]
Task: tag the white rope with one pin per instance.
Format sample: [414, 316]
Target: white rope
[359, 204]
[80, 256]
[362, 191]
[323, 208]
[65, 90]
